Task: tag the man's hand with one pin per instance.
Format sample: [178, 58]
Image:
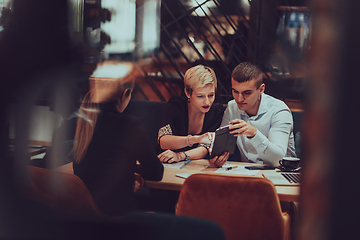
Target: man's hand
[240, 127]
[169, 156]
[220, 160]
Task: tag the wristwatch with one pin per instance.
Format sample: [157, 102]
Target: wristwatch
[187, 157]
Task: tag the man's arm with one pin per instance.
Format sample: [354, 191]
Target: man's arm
[273, 148]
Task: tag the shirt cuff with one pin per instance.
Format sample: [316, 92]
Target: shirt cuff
[259, 142]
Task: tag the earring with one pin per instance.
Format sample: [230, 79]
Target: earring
[188, 100]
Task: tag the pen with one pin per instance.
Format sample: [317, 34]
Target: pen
[229, 168]
[185, 164]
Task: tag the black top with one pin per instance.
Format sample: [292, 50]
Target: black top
[110, 162]
[61, 144]
[176, 115]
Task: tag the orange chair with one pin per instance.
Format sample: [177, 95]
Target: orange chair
[63, 193]
[245, 207]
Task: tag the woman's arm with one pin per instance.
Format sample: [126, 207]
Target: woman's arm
[169, 156]
[178, 142]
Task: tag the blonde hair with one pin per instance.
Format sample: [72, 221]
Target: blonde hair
[199, 76]
[89, 111]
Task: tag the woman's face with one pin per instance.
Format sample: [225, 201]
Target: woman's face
[202, 98]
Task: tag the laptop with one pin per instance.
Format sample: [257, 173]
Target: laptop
[283, 178]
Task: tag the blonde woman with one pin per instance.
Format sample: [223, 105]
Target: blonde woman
[107, 144]
[188, 123]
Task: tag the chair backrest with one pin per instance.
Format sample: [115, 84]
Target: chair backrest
[63, 193]
[245, 207]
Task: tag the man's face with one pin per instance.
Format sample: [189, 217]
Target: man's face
[247, 96]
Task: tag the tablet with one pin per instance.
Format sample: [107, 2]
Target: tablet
[223, 142]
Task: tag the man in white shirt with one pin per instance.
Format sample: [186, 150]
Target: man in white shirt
[262, 124]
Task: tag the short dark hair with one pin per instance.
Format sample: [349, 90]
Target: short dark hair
[247, 71]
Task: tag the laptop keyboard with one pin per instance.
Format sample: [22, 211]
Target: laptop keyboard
[292, 177]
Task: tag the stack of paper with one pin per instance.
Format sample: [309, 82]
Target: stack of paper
[227, 169]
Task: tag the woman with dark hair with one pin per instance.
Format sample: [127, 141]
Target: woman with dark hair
[107, 146]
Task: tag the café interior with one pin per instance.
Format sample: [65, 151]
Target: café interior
[54, 52]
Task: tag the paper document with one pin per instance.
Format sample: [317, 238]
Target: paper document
[227, 165]
[184, 175]
[176, 165]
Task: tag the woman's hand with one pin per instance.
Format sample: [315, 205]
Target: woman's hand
[206, 138]
[220, 160]
[169, 156]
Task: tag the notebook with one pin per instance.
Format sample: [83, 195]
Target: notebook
[283, 178]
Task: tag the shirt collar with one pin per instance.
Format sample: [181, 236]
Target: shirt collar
[262, 108]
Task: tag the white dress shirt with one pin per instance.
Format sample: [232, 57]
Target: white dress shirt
[274, 138]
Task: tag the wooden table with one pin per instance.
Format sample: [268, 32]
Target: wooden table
[172, 182]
